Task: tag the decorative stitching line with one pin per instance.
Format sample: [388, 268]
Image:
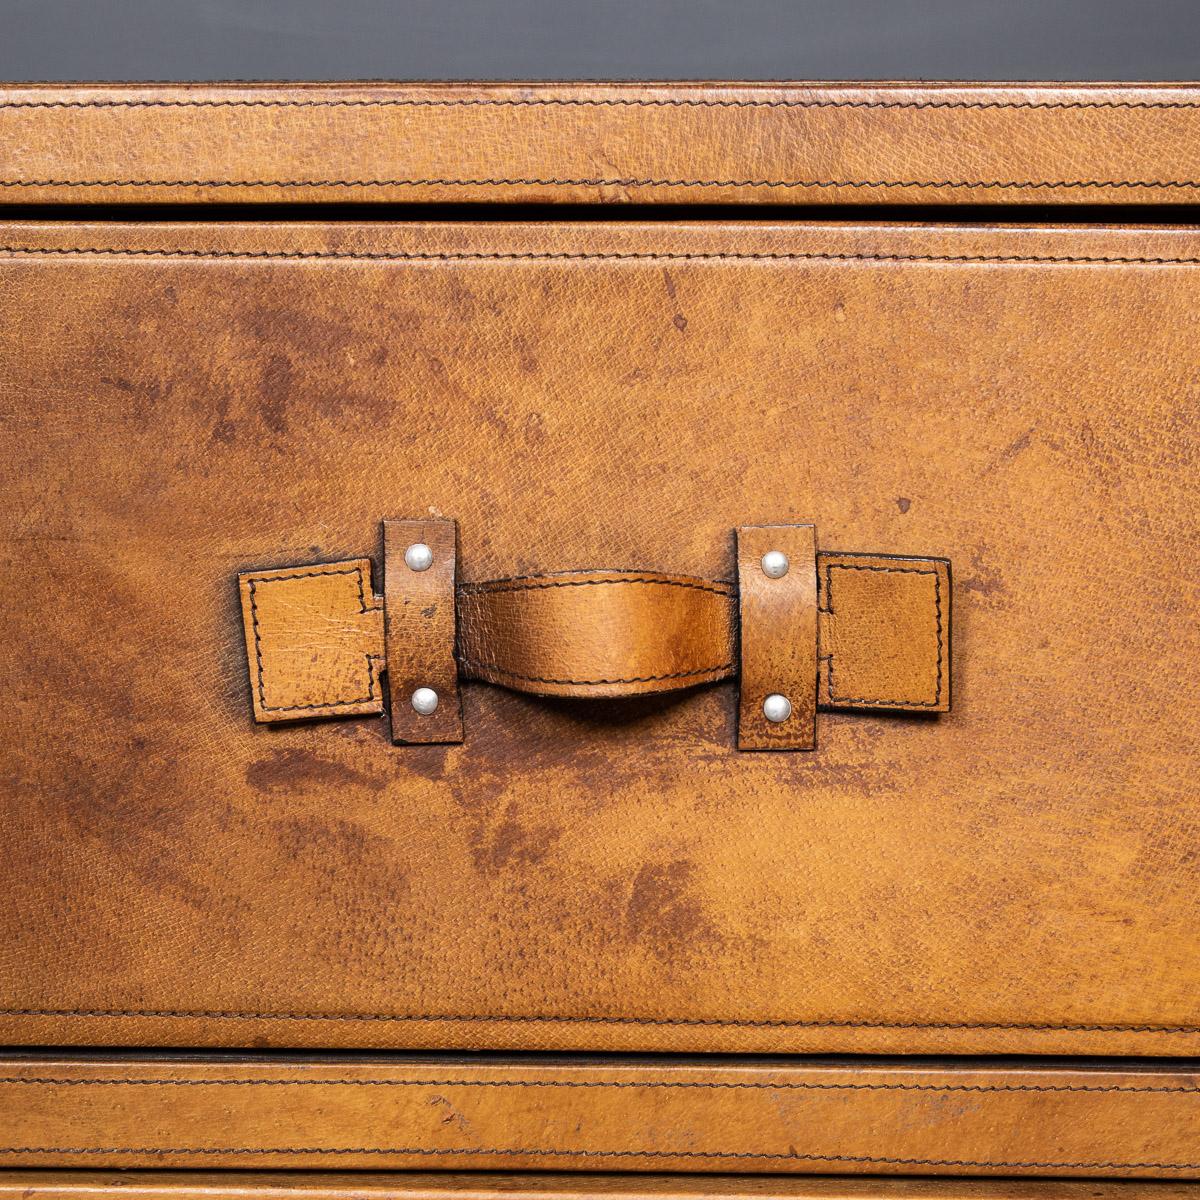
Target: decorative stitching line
[538, 583]
[968, 184]
[937, 601]
[616, 102]
[210, 1014]
[631, 256]
[252, 581]
[704, 671]
[563, 1083]
[540, 1152]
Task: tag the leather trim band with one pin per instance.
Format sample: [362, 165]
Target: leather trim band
[658, 143]
[802, 1116]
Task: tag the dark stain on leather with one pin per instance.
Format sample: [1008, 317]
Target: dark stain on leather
[276, 388]
[513, 842]
[980, 577]
[285, 770]
[663, 913]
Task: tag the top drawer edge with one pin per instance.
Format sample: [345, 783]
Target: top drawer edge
[601, 143]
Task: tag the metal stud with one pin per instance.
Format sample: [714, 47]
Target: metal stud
[425, 700]
[419, 557]
[777, 708]
[775, 564]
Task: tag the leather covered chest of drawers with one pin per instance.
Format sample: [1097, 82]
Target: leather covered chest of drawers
[600, 628]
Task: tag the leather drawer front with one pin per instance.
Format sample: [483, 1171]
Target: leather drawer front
[491, 1115]
[239, 1185]
[185, 402]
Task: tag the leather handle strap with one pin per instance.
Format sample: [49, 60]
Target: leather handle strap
[834, 631]
[598, 634]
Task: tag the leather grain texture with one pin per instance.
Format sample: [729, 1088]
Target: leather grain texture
[683, 143]
[491, 1114]
[183, 402]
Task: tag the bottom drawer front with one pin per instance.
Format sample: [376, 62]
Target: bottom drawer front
[800, 1118]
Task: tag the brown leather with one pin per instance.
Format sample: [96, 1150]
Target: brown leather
[612, 634]
[184, 401]
[421, 630]
[682, 143]
[598, 633]
[478, 1185]
[778, 630]
[528, 1115]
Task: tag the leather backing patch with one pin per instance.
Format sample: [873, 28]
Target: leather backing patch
[778, 637]
[314, 641]
[421, 630]
[885, 632]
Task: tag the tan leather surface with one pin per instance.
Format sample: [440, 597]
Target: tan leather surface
[184, 402]
[778, 635]
[478, 1185]
[488, 1114]
[683, 143]
[598, 633]
[419, 619]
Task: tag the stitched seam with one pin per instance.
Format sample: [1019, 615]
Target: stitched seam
[617, 102]
[559, 1153]
[562, 1083]
[478, 666]
[210, 1014]
[254, 580]
[937, 600]
[968, 184]
[562, 256]
[503, 586]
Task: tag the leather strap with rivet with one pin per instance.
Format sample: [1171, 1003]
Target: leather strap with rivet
[801, 629]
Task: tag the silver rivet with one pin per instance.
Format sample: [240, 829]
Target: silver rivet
[777, 708]
[425, 701]
[775, 564]
[419, 557]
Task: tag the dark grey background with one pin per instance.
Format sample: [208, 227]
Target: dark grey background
[599, 39]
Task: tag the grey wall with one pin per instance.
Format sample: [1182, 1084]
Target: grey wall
[597, 39]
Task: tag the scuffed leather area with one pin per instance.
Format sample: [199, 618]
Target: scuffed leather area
[184, 403]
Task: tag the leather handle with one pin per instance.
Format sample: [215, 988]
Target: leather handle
[598, 634]
[831, 631]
